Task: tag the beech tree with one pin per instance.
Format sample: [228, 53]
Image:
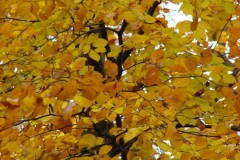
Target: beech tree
[109, 79]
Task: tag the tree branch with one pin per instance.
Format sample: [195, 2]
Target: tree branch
[191, 126]
[235, 128]
[199, 134]
[125, 54]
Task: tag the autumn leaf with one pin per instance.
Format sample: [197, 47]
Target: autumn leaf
[94, 55]
[105, 149]
[111, 69]
[200, 125]
[157, 55]
[69, 90]
[119, 79]
[191, 63]
[149, 19]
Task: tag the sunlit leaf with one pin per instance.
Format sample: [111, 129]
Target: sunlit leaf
[132, 133]
[215, 76]
[78, 64]
[149, 19]
[100, 43]
[121, 79]
[88, 139]
[94, 55]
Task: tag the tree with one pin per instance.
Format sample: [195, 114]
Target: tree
[103, 79]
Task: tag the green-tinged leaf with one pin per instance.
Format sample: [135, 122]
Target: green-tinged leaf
[163, 146]
[149, 19]
[132, 133]
[228, 78]
[215, 76]
[100, 43]
[94, 55]
[183, 120]
[204, 105]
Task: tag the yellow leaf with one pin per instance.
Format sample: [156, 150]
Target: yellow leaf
[145, 153]
[181, 82]
[100, 43]
[139, 39]
[71, 47]
[23, 9]
[223, 38]
[149, 19]
[179, 95]
[164, 91]
[88, 139]
[183, 120]
[171, 132]
[229, 7]
[70, 139]
[163, 146]
[105, 149]
[100, 50]
[40, 65]
[78, 64]
[82, 101]
[115, 52]
[215, 76]
[130, 17]
[132, 133]
[119, 110]
[201, 142]
[183, 26]
[221, 49]
[13, 146]
[94, 55]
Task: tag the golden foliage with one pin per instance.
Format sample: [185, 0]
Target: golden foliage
[103, 79]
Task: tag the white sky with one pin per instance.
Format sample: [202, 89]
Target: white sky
[174, 16]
